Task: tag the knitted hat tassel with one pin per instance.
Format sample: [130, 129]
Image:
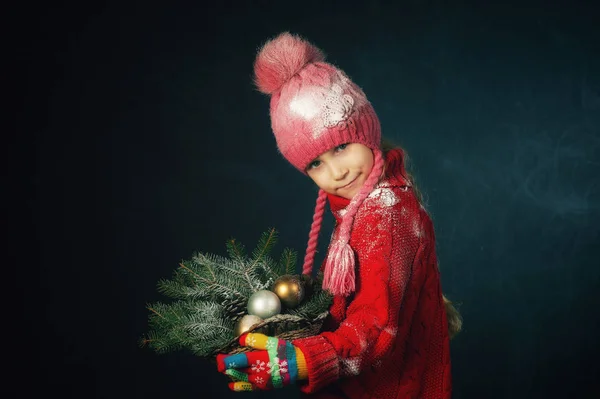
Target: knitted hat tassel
[339, 275]
[339, 269]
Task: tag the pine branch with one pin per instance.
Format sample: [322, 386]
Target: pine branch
[270, 272]
[287, 263]
[205, 319]
[217, 278]
[198, 326]
[226, 270]
[236, 250]
[165, 320]
[207, 327]
[164, 314]
[160, 343]
[267, 240]
[211, 292]
[213, 279]
[177, 290]
[315, 305]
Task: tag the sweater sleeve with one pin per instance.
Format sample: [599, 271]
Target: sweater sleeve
[385, 248]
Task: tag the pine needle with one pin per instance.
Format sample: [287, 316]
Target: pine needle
[204, 290]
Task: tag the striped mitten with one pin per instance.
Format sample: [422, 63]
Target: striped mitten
[276, 364]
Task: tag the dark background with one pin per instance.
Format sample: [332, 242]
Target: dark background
[146, 141]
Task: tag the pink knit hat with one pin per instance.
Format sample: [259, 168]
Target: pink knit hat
[314, 108]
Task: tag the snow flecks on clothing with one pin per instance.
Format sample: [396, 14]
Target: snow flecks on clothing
[350, 366]
[417, 228]
[360, 335]
[385, 196]
[391, 330]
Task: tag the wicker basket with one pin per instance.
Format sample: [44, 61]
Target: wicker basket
[283, 326]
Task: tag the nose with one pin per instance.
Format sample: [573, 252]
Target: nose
[338, 172]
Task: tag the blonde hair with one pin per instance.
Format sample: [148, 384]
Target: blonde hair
[455, 320]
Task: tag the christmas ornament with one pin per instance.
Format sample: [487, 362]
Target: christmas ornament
[226, 284]
[290, 290]
[264, 304]
[245, 323]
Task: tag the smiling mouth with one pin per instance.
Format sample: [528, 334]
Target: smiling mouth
[349, 183]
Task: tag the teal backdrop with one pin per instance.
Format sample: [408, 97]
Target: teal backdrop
[147, 141]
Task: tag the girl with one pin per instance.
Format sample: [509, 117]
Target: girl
[389, 327]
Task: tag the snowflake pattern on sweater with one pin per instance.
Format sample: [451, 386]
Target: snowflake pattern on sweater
[390, 338]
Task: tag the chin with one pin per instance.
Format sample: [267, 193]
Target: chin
[351, 195]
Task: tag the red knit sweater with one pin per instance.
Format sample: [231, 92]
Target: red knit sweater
[390, 338]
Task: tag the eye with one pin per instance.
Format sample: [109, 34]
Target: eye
[341, 147]
[313, 165]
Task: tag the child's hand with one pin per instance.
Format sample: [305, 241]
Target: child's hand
[278, 363]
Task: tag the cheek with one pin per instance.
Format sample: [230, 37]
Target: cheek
[324, 182]
[368, 163]
[318, 178]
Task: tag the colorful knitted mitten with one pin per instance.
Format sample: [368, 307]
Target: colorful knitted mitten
[276, 364]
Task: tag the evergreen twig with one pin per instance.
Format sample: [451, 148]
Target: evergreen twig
[287, 263]
[210, 292]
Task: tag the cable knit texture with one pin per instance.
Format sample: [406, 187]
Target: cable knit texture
[390, 338]
[314, 105]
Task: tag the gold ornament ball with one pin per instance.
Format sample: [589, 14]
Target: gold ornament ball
[290, 290]
[245, 323]
[264, 304]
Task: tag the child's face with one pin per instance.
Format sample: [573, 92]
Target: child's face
[343, 170]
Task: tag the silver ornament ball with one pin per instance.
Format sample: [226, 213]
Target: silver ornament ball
[264, 304]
